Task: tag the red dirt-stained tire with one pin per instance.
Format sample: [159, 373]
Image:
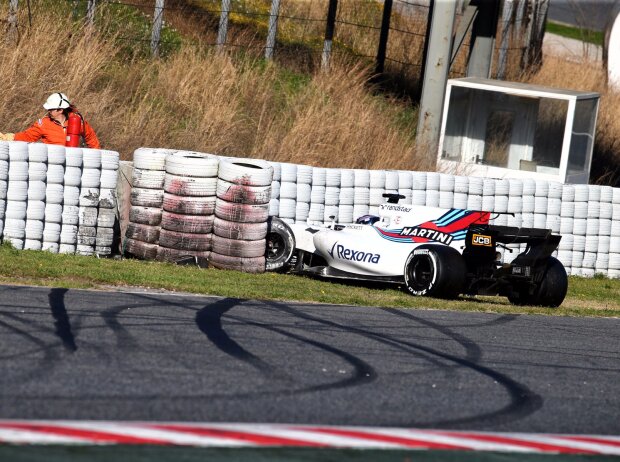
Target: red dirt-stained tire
[189, 205]
[253, 172]
[184, 241]
[150, 179]
[247, 265]
[146, 197]
[145, 215]
[234, 230]
[175, 255]
[243, 194]
[238, 248]
[201, 224]
[140, 249]
[241, 213]
[144, 233]
[186, 186]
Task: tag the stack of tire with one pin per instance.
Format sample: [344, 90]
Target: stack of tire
[147, 198]
[332, 194]
[4, 177]
[432, 189]
[188, 206]
[90, 190]
[361, 192]
[35, 208]
[305, 207]
[106, 214]
[71, 200]
[405, 186]
[54, 196]
[614, 243]
[346, 197]
[288, 193]
[241, 215]
[16, 195]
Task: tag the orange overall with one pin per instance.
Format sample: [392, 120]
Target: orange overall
[51, 131]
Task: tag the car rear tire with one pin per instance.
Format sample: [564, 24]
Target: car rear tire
[435, 271]
[280, 242]
[550, 292]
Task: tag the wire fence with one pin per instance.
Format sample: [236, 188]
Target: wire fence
[303, 31]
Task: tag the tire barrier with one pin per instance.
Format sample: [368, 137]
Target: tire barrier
[241, 210]
[146, 201]
[50, 197]
[189, 187]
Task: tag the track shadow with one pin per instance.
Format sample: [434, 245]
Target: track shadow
[59, 312]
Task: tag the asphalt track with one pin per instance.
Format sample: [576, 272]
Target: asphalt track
[70, 354]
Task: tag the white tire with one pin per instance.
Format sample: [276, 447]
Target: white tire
[288, 173]
[345, 214]
[150, 159]
[317, 195]
[147, 197]
[85, 249]
[143, 233]
[288, 190]
[107, 198]
[287, 208]
[149, 179]
[14, 228]
[35, 210]
[73, 157]
[91, 158]
[66, 248]
[244, 231]
[251, 172]
[347, 178]
[4, 170]
[89, 197]
[109, 179]
[375, 196]
[185, 241]
[16, 210]
[104, 237]
[103, 250]
[139, 249]
[316, 213]
[91, 178]
[304, 174]
[36, 190]
[347, 196]
[186, 186]
[304, 192]
[189, 205]
[242, 194]
[332, 195]
[405, 180]
[73, 176]
[32, 244]
[361, 178]
[87, 216]
[106, 218]
[68, 234]
[34, 230]
[18, 151]
[418, 197]
[109, 160]
[70, 215]
[302, 210]
[194, 164]
[37, 171]
[247, 265]
[432, 198]
[52, 247]
[276, 170]
[332, 177]
[18, 171]
[37, 152]
[51, 232]
[377, 179]
[391, 180]
[274, 207]
[56, 154]
[242, 213]
[201, 224]
[55, 174]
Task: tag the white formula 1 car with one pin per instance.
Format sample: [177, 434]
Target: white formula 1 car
[431, 251]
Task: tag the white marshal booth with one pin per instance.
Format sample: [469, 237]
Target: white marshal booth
[502, 129]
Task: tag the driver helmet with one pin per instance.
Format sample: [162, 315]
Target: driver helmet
[367, 220]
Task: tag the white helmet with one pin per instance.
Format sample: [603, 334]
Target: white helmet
[57, 101]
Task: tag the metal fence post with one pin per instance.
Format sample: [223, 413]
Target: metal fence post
[273, 29]
[329, 33]
[383, 36]
[90, 12]
[13, 33]
[158, 19]
[435, 75]
[222, 30]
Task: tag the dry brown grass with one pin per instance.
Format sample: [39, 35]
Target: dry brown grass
[227, 104]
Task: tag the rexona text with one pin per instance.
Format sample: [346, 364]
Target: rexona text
[341, 252]
[426, 233]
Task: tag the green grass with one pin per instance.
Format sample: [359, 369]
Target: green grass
[585, 35]
[587, 297]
